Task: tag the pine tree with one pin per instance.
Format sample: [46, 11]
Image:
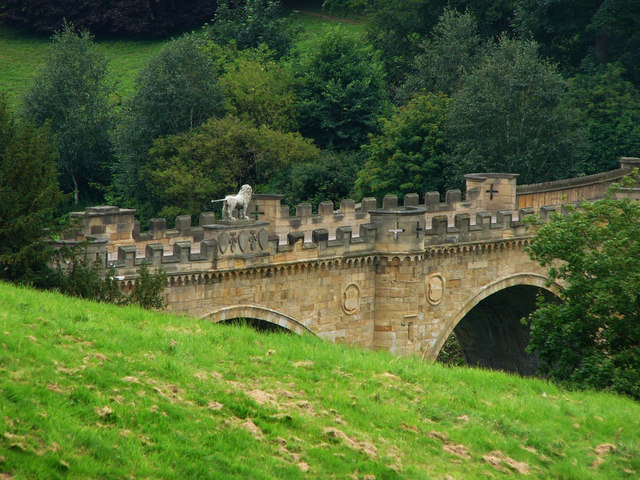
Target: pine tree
[29, 197]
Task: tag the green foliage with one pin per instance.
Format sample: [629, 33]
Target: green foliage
[408, 156]
[341, 91]
[181, 393]
[175, 92]
[71, 92]
[570, 31]
[187, 171]
[397, 28]
[148, 289]
[451, 353]
[510, 116]
[592, 337]
[330, 177]
[260, 90]
[29, 198]
[610, 108]
[76, 275]
[452, 50]
[250, 23]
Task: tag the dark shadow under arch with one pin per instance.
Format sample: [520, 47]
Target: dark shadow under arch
[489, 323]
[492, 334]
[257, 324]
[258, 315]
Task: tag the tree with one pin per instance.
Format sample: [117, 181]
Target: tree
[397, 28]
[330, 177]
[510, 116]
[409, 153]
[175, 92]
[250, 23]
[71, 92]
[452, 49]
[29, 197]
[188, 170]
[341, 91]
[570, 31]
[610, 110]
[260, 90]
[591, 338]
[160, 17]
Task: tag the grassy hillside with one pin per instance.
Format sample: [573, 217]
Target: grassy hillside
[21, 53]
[96, 391]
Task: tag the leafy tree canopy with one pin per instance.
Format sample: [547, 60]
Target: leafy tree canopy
[610, 108]
[29, 197]
[340, 90]
[251, 23]
[71, 92]
[592, 337]
[176, 91]
[452, 49]
[330, 177]
[571, 30]
[188, 170]
[510, 116]
[259, 89]
[408, 156]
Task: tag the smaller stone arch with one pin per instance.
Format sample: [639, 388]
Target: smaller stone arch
[259, 313]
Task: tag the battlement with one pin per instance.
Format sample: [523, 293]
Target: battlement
[488, 213]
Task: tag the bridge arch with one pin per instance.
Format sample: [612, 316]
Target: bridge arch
[488, 325]
[259, 313]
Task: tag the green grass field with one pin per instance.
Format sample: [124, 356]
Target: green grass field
[98, 391]
[21, 54]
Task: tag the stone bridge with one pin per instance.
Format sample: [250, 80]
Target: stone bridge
[390, 276]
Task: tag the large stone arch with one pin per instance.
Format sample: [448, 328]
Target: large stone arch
[259, 313]
[498, 290]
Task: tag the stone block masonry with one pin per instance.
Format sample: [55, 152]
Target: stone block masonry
[398, 276]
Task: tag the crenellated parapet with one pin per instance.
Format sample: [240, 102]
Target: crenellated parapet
[488, 213]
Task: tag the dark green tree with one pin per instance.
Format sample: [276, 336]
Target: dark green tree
[452, 49]
[340, 90]
[188, 170]
[397, 28]
[570, 31]
[331, 177]
[510, 116]
[175, 92]
[29, 198]
[250, 23]
[71, 92]
[591, 338]
[610, 110]
[409, 154]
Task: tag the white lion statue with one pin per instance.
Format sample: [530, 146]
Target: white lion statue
[239, 201]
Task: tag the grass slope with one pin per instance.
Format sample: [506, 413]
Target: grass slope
[97, 391]
[21, 54]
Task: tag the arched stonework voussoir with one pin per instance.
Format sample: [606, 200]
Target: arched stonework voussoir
[528, 279]
[259, 313]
